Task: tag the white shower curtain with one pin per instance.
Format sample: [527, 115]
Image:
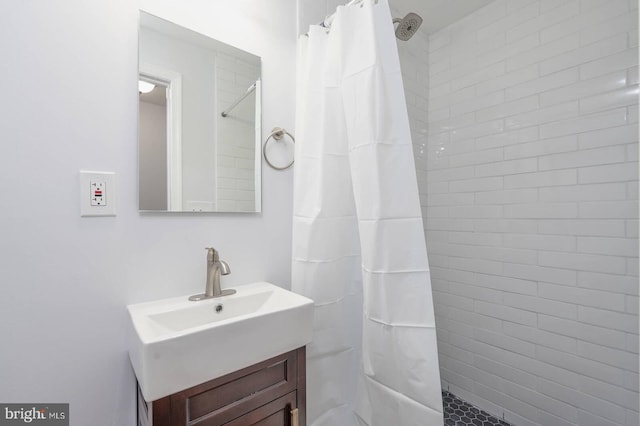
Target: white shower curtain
[358, 243]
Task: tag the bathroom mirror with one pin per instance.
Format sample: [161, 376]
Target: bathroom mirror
[199, 122]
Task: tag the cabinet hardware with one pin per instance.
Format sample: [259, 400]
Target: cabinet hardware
[294, 417]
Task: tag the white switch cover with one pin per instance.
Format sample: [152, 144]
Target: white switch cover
[97, 193]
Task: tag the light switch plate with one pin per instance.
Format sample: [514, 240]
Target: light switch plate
[97, 193]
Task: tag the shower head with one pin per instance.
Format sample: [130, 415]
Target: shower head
[407, 26]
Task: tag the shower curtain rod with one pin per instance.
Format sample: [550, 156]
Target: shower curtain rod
[249, 90]
[326, 22]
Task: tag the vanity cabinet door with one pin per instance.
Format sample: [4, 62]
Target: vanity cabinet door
[275, 413]
[270, 393]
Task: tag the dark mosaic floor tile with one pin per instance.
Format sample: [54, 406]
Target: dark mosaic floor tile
[460, 413]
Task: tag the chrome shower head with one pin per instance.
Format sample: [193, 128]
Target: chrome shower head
[407, 26]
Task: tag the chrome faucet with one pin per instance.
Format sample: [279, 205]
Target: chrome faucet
[215, 268]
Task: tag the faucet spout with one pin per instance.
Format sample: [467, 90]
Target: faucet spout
[215, 268]
[224, 268]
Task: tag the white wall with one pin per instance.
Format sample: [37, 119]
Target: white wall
[69, 103]
[532, 209]
[312, 12]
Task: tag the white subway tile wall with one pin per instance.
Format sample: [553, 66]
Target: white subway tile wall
[414, 56]
[528, 172]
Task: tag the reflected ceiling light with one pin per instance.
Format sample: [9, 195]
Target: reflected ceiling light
[145, 87]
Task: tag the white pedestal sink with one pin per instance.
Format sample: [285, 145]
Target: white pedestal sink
[175, 343]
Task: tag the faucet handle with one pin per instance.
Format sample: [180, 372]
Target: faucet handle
[212, 254]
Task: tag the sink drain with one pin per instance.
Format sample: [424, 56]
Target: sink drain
[219, 308]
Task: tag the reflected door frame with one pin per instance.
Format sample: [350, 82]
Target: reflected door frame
[173, 82]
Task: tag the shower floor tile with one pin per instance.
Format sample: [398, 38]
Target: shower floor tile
[460, 413]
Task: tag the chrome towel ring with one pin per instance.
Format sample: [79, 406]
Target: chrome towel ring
[277, 134]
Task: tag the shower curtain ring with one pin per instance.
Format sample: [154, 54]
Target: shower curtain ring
[277, 134]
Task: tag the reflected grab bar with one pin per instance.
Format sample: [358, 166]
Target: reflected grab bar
[250, 89]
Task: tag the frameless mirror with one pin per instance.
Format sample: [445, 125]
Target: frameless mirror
[199, 122]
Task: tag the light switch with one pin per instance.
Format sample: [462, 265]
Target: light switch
[97, 193]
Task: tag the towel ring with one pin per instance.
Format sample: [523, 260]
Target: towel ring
[277, 134]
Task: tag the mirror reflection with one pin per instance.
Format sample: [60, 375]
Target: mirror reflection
[199, 122]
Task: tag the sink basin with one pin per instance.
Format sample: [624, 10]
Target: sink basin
[175, 343]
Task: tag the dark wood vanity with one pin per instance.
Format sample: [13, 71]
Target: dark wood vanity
[269, 393]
